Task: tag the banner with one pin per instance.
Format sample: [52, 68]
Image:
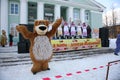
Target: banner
[75, 44]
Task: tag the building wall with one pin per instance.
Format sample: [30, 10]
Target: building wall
[81, 1]
[96, 19]
[13, 19]
[4, 15]
[88, 17]
[0, 17]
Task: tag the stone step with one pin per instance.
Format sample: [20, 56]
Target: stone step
[23, 60]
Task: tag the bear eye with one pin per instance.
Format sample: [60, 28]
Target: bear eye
[41, 23]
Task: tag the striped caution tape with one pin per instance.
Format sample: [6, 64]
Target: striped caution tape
[77, 72]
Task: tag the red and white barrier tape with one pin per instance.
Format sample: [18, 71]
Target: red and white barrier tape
[77, 72]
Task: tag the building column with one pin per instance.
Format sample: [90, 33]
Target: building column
[0, 17]
[57, 11]
[4, 15]
[23, 12]
[70, 14]
[82, 15]
[40, 10]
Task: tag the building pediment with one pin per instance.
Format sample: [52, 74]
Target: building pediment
[86, 4]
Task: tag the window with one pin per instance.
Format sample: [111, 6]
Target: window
[14, 8]
[76, 14]
[32, 12]
[13, 29]
[49, 12]
[87, 15]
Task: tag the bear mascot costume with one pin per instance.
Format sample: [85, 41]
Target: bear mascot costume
[3, 38]
[40, 46]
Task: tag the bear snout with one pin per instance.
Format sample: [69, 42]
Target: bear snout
[42, 28]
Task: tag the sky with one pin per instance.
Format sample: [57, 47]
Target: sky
[109, 3]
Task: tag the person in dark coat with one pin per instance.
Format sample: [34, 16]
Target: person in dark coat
[117, 50]
[10, 39]
[88, 32]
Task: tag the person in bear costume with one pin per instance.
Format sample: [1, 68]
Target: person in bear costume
[3, 38]
[40, 46]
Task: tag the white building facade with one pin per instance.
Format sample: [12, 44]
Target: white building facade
[14, 12]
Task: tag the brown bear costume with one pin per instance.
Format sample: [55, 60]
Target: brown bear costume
[40, 46]
[3, 38]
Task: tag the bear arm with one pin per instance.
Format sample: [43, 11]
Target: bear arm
[24, 31]
[54, 28]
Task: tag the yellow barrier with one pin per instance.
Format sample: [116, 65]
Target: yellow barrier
[75, 44]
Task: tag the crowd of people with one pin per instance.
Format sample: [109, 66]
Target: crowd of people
[65, 31]
[73, 31]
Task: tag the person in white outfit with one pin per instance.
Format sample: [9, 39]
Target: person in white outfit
[66, 30]
[60, 33]
[79, 30]
[73, 30]
[84, 30]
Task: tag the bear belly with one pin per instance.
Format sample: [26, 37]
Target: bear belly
[42, 49]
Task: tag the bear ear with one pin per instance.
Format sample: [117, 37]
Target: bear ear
[36, 23]
[47, 22]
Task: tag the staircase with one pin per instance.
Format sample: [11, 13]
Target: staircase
[24, 59]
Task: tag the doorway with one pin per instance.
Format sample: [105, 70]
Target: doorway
[64, 12]
[32, 12]
[49, 12]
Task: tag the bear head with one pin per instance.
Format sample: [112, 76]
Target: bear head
[41, 27]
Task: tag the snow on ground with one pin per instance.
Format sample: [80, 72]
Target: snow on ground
[112, 43]
[90, 68]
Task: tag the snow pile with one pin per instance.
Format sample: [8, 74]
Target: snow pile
[112, 43]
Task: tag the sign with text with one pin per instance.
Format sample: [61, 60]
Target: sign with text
[75, 44]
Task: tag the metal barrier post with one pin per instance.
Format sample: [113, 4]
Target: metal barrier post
[108, 68]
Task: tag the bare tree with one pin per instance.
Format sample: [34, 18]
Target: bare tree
[113, 15]
[106, 20]
[114, 19]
